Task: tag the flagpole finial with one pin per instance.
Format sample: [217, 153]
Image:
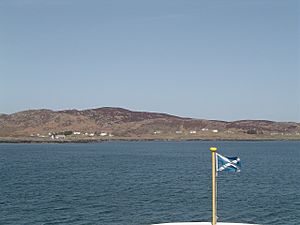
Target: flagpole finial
[213, 149]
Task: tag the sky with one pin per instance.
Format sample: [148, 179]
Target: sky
[221, 59]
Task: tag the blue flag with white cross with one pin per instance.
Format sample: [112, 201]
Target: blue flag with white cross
[229, 164]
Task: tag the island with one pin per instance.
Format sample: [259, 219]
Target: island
[108, 124]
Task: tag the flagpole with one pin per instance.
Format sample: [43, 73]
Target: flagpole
[214, 196]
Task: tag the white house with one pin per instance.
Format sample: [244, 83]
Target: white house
[60, 136]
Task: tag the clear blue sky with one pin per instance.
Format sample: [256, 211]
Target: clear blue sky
[221, 59]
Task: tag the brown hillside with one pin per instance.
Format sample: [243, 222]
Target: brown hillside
[125, 123]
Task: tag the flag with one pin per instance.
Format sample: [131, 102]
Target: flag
[230, 164]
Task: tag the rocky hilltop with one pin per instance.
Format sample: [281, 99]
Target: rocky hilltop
[117, 123]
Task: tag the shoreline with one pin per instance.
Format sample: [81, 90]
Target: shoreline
[85, 141]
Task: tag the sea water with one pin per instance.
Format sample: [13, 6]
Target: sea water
[139, 183]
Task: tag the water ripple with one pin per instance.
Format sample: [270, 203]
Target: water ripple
[139, 183]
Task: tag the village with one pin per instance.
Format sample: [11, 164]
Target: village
[73, 134]
[157, 134]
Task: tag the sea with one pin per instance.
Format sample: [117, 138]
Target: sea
[141, 183]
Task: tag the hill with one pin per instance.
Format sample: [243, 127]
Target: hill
[117, 123]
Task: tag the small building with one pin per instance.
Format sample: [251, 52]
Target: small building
[178, 132]
[60, 136]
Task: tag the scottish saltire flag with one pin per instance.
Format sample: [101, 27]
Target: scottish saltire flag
[230, 164]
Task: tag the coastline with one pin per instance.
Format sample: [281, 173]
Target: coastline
[12, 140]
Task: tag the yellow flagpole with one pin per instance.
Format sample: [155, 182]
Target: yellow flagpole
[214, 196]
